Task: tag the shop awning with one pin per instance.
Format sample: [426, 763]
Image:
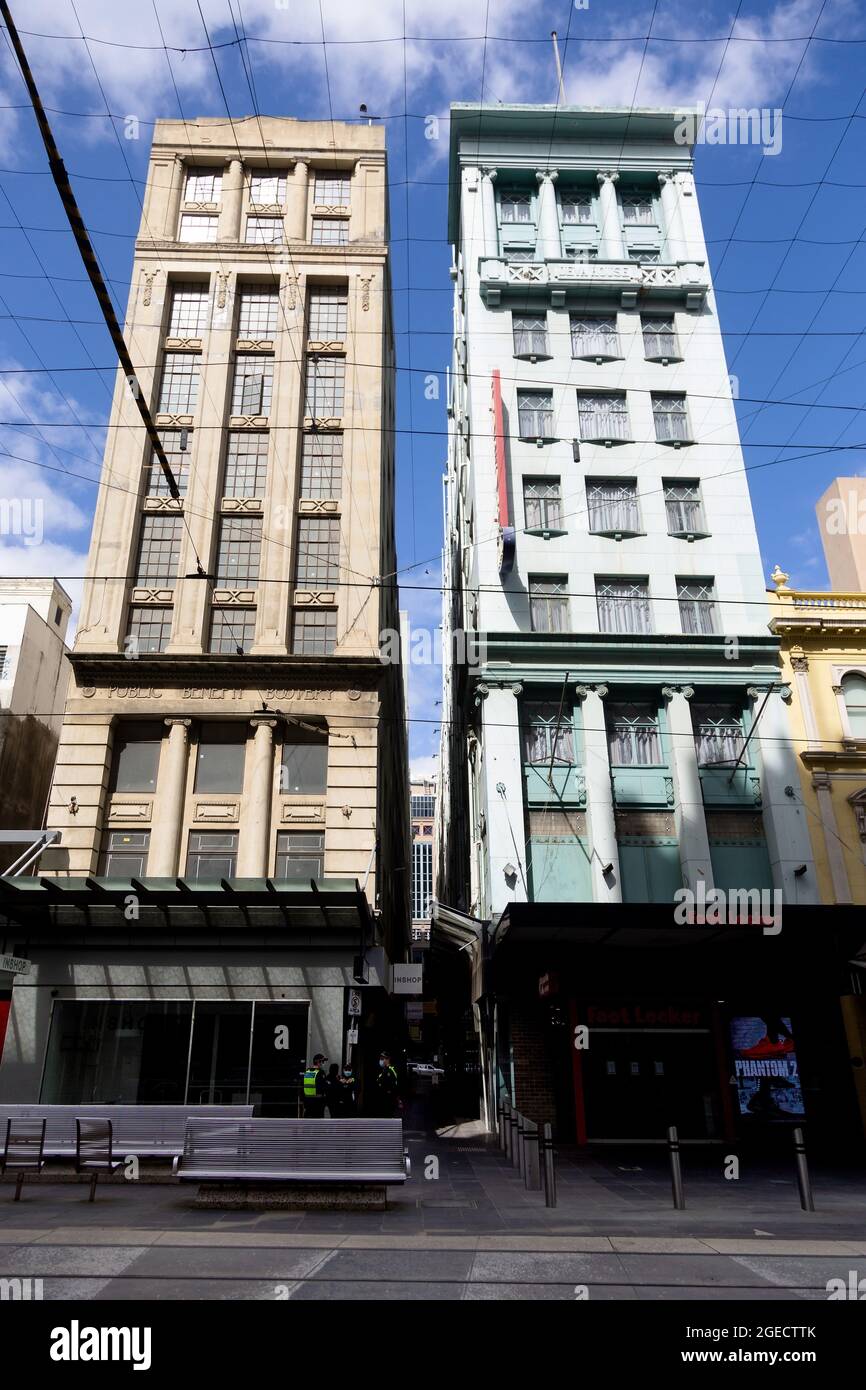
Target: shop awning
[328, 911]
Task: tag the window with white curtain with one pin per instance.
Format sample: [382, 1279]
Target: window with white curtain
[623, 605]
[603, 417]
[196, 226]
[637, 208]
[548, 733]
[515, 206]
[548, 603]
[659, 336]
[719, 735]
[530, 335]
[542, 504]
[633, 736]
[577, 208]
[685, 512]
[697, 599]
[203, 186]
[671, 419]
[612, 505]
[594, 335]
[535, 414]
[854, 695]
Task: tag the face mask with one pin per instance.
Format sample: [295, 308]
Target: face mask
[381, 1061]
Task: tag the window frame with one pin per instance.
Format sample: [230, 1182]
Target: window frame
[697, 605]
[542, 589]
[536, 410]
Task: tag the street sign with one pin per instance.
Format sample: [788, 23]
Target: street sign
[352, 1036]
[16, 965]
[354, 1003]
[407, 979]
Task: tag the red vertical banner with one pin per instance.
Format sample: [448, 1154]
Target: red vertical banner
[5, 1006]
[506, 529]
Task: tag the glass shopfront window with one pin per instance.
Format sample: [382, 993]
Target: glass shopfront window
[160, 1052]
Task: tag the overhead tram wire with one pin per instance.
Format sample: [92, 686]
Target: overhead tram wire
[85, 248]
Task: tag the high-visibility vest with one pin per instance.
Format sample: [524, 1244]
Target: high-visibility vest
[310, 1082]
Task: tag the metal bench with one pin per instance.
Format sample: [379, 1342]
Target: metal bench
[94, 1150]
[23, 1151]
[349, 1152]
[148, 1131]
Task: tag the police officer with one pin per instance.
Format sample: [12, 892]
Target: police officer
[315, 1088]
[387, 1088]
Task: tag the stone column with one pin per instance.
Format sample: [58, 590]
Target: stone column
[785, 816]
[675, 238]
[689, 817]
[296, 215]
[800, 668]
[231, 212]
[169, 803]
[256, 818]
[611, 246]
[502, 795]
[548, 246]
[822, 786]
[606, 887]
[488, 213]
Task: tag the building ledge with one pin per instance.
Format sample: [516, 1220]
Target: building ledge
[501, 279]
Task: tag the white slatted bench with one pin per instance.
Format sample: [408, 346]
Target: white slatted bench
[266, 1153]
[148, 1131]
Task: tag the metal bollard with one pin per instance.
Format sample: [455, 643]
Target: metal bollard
[532, 1168]
[807, 1201]
[548, 1166]
[519, 1147]
[515, 1120]
[506, 1126]
[500, 1124]
[676, 1168]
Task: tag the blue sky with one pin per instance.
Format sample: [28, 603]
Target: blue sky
[785, 232]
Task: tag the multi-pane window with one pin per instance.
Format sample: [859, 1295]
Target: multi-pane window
[328, 312]
[304, 763]
[326, 379]
[318, 559]
[643, 255]
[718, 734]
[422, 880]
[246, 464]
[515, 206]
[671, 419]
[239, 551]
[268, 189]
[422, 807]
[203, 186]
[535, 414]
[854, 695]
[638, 209]
[548, 734]
[530, 334]
[136, 757]
[189, 306]
[300, 855]
[577, 208]
[542, 504]
[594, 335]
[125, 854]
[196, 226]
[157, 483]
[659, 336]
[603, 417]
[212, 854]
[322, 465]
[697, 600]
[633, 736]
[257, 313]
[684, 509]
[178, 392]
[314, 632]
[149, 629]
[548, 603]
[253, 384]
[623, 605]
[518, 253]
[219, 758]
[612, 506]
[232, 630]
[264, 231]
[158, 551]
[332, 190]
[330, 231]
[575, 252]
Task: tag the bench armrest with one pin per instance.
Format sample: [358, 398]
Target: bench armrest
[175, 1164]
[407, 1162]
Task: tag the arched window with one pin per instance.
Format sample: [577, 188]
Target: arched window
[854, 694]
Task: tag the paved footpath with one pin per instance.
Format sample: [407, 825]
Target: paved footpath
[472, 1232]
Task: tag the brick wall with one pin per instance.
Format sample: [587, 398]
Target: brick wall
[533, 1066]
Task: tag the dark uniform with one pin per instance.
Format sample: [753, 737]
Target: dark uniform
[387, 1092]
[315, 1093]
